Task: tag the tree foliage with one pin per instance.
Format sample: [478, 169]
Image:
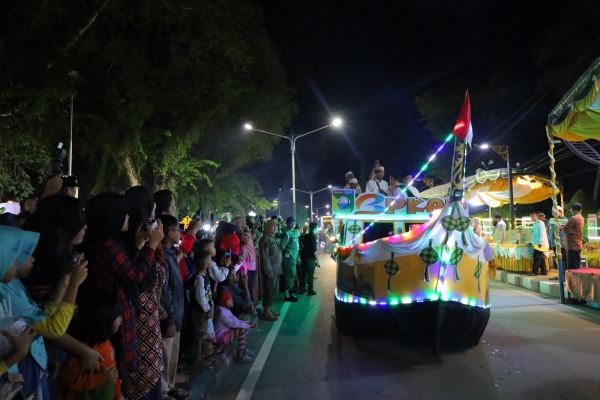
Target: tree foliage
[161, 90]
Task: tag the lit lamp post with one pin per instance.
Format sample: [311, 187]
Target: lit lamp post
[311, 198]
[502, 151]
[319, 208]
[335, 123]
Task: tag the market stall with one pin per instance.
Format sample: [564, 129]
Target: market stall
[575, 121]
[491, 188]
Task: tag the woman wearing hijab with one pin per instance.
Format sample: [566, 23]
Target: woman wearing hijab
[144, 382]
[60, 220]
[16, 248]
[115, 270]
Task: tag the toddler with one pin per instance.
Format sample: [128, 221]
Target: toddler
[229, 328]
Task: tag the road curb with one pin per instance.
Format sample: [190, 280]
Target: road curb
[204, 380]
[539, 285]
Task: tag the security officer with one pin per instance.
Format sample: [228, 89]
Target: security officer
[270, 268]
[290, 247]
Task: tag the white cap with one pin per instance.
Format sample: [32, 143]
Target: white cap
[353, 180]
[348, 173]
[380, 168]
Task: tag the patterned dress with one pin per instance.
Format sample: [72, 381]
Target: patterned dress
[110, 271]
[148, 349]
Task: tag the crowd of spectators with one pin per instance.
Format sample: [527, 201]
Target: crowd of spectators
[117, 298]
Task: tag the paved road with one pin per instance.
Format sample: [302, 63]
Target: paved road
[533, 348]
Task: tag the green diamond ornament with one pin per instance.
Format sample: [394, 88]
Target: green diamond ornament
[354, 229]
[478, 273]
[391, 268]
[455, 259]
[429, 256]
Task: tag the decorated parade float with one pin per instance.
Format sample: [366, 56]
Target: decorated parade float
[414, 261]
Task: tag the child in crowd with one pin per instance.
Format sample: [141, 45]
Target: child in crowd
[229, 328]
[230, 240]
[171, 300]
[218, 272]
[201, 307]
[242, 302]
[95, 321]
[16, 248]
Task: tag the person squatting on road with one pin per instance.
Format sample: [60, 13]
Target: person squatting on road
[229, 328]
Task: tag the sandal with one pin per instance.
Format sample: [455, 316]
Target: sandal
[178, 394]
[181, 378]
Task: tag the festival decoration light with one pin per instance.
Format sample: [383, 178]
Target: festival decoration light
[423, 168]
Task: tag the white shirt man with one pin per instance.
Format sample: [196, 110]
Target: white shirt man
[351, 185]
[394, 186]
[500, 226]
[378, 185]
[410, 191]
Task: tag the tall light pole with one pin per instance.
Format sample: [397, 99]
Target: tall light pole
[502, 151]
[279, 202]
[73, 75]
[311, 198]
[335, 123]
[319, 208]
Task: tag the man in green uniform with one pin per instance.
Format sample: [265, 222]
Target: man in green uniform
[289, 249]
[270, 268]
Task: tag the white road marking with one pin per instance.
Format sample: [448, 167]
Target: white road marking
[259, 362]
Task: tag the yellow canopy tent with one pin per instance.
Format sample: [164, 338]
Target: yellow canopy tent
[575, 118]
[491, 188]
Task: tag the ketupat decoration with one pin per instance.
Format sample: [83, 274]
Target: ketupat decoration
[478, 273]
[354, 230]
[391, 268]
[429, 256]
[460, 224]
[455, 259]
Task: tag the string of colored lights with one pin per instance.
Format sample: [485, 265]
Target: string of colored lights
[423, 168]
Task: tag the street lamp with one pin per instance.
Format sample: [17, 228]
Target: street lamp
[319, 208]
[502, 151]
[311, 198]
[335, 123]
[74, 75]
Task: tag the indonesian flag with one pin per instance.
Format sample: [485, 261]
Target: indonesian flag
[463, 128]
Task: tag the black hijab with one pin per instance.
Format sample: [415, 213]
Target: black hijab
[141, 204]
[105, 215]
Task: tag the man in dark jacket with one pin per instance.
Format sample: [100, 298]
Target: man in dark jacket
[171, 301]
[309, 260]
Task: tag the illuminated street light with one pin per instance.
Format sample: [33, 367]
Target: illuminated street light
[335, 123]
[311, 199]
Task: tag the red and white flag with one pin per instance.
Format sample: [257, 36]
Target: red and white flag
[463, 128]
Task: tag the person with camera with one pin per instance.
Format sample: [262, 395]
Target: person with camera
[115, 269]
[377, 184]
[165, 205]
[270, 267]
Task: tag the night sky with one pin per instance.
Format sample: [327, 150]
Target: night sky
[367, 61]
